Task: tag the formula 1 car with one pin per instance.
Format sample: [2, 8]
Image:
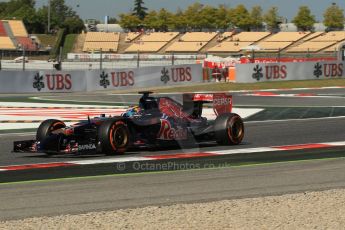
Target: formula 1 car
[157, 121]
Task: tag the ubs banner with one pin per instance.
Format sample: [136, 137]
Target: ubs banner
[246, 73]
[76, 81]
[144, 77]
[41, 81]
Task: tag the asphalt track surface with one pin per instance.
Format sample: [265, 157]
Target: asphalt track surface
[107, 192]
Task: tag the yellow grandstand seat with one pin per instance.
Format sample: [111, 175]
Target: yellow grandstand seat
[149, 47]
[159, 36]
[186, 47]
[6, 44]
[249, 36]
[198, 36]
[229, 47]
[18, 28]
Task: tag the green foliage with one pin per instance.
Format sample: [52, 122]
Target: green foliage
[304, 20]
[139, 10]
[272, 18]
[129, 21]
[240, 17]
[61, 34]
[256, 17]
[68, 44]
[334, 17]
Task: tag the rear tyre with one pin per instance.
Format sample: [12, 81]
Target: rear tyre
[229, 129]
[114, 137]
[47, 127]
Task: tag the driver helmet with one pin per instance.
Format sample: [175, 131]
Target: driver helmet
[135, 110]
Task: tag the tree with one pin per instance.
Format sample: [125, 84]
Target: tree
[272, 19]
[334, 17]
[151, 20]
[304, 20]
[139, 10]
[179, 21]
[240, 17]
[193, 16]
[129, 21]
[221, 18]
[208, 17]
[256, 18]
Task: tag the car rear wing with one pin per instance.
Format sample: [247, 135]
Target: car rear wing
[222, 102]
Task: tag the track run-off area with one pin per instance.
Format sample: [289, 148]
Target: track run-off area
[294, 141]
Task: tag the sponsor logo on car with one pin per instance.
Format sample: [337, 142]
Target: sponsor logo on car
[86, 147]
[167, 132]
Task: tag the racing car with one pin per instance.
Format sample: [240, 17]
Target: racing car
[155, 121]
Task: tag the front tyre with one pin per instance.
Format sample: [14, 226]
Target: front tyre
[47, 127]
[229, 129]
[113, 137]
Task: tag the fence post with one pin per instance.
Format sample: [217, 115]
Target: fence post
[101, 61]
[173, 59]
[23, 58]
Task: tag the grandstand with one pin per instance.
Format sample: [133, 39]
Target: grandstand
[231, 47]
[131, 36]
[6, 44]
[102, 37]
[287, 36]
[198, 36]
[333, 48]
[312, 36]
[322, 42]
[335, 36]
[310, 46]
[18, 28]
[249, 36]
[2, 30]
[266, 46]
[158, 37]
[97, 41]
[149, 47]
[192, 47]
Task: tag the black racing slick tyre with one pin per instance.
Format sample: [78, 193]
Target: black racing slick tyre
[113, 137]
[47, 127]
[229, 129]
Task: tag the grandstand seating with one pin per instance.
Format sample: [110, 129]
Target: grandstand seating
[272, 46]
[149, 47]
[287, 36]
[310, 46]
[249, 36]
[98, 46]
[233, 47]
[335, 36]
[97, 41]
[159, 37]
[312, 36]
[2, 30]
[102, 37]
[6, 44]
[18, 28]
[186, 47]
[198, 36]
[27, 43]
[333, 48]
[132, 36]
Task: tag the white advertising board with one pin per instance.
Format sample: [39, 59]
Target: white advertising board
[92, 80]
[285, 71]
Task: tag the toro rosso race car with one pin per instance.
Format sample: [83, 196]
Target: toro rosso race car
[156, 121]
